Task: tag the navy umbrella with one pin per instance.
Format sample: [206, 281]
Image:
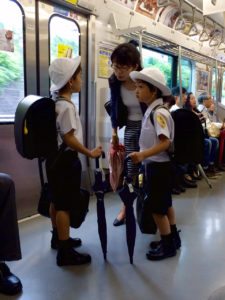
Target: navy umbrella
[99, 189]
[128, 195]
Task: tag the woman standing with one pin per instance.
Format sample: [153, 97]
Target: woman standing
[125, 108]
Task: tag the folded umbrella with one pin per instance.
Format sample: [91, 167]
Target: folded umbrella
[128, 195]
[116, 157]
[99, 189]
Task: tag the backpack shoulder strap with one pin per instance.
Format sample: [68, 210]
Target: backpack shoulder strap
[151, 116]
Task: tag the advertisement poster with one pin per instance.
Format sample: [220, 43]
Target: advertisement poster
[202, 80]
[64, 51]
[104, 63]
[127, 3]
[148, 8]
[6, 40]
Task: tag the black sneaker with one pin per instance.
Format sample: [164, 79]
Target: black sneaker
[69, 257]
[74, 243]
[9, 283]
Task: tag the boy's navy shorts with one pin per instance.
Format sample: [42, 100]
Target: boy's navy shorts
[158, 177]
[64, 178]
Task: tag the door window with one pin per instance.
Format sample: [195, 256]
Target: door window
[64, 41]
[11, 59]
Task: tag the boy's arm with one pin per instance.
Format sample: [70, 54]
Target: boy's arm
[162, 146]
[71, 141]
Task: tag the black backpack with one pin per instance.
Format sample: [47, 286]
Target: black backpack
[35, 127]
[188, 144]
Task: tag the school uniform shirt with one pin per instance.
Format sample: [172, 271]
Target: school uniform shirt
[67, 119]
[163, 124]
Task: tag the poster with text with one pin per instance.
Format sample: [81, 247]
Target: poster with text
[202, 80]
[104, 62]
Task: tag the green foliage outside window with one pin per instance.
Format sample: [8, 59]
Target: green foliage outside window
[186, 75]
[164, 67]
[10, 69]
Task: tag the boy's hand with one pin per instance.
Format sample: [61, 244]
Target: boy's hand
[136, 157]
[96, 152]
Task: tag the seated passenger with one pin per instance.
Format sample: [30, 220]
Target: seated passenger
[221, 125]
[211, 145]
[205, 104]
[179, 102]
[9, 236]
[182, 170]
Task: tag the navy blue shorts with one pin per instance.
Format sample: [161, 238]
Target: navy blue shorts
[64, 178]
[158, 177]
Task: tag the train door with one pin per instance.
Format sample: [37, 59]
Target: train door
[41, 32]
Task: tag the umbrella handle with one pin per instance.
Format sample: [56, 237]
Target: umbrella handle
[97, 159]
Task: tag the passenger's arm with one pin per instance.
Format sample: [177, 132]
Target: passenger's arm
[71, 141]
[162, 146]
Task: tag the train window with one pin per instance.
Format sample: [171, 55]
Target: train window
[186, 74]
[223, 90]
[11, 59]
[64, 41]
[213, 90]
[159, 60]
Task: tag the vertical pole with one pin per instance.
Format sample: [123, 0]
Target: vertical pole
[140, 47]
[180, 75]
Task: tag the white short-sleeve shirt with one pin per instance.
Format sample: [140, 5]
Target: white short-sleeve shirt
[163, 124]
[67, 119]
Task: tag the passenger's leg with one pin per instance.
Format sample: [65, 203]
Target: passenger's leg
[9, 236]
[221, 146]
[167, 246]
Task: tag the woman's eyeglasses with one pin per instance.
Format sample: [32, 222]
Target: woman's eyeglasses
[120, 68]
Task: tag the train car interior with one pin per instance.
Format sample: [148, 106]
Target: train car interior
[185, 40]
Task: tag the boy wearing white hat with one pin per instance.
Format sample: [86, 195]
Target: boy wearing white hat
[155, 139]
[65, 179]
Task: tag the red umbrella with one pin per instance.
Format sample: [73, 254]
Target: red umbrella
[116, 157]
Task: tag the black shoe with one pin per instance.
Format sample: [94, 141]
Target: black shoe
[119, 222]
[181, 188]
[176, 238]
[160, 253]
[189, 183]
[166, 249]
[68, 256]
[221, 168]
[73, 242]
[9, 283]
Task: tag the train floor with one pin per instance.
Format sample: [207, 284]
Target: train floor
[195, 273]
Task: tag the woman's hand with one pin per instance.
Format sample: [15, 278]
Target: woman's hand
[96, 152]
[115, 139]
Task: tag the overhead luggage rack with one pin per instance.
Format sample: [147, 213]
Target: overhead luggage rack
[169, 47]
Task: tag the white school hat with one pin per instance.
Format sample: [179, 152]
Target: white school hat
[153, 76]
[61, 70]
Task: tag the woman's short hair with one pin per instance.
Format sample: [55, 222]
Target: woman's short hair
[127, 54]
